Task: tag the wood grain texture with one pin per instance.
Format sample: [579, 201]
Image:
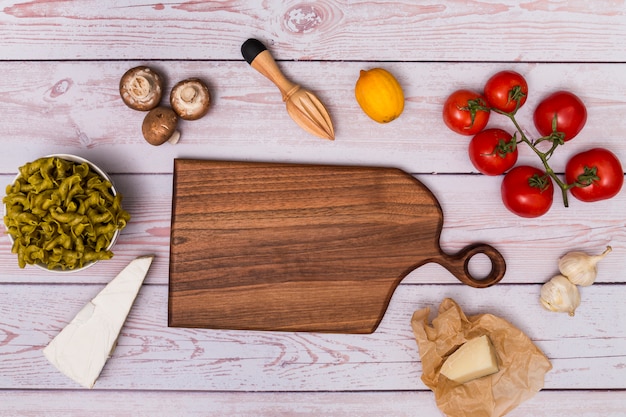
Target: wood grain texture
[505, 30]
[67, 107]
[61, 62]
[62, 403]
[263, 246]
[586, 351]
[302, 105]
[531, 247]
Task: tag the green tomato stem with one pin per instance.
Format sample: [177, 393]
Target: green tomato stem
[556, 140]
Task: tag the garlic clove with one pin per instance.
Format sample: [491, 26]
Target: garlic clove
[581, 268]
[560, 295]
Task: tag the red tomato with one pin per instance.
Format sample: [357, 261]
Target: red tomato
[527, 191]
[493, 151]
[600, 169]
[466, 112]
[568, 110]
[505, 89]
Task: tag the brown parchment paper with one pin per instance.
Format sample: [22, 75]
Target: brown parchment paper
[522, 366]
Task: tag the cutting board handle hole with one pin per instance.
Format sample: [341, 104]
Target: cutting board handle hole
[479, 266]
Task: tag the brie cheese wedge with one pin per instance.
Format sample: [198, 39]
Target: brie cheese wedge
[82, 348]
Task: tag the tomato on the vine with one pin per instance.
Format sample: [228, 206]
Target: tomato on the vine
[506, 91]
[493, 151]
[561, 111]
[527, 191]
[466, 112]
[598, 174]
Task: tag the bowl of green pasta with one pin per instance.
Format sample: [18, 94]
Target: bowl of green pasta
[62, 213]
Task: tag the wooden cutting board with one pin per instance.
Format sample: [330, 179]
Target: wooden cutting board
[264, 246]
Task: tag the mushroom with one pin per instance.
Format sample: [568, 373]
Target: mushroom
[159, 126]
[141, 88]
[190, 99]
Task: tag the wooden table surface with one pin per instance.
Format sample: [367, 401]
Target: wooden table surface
[61, 62]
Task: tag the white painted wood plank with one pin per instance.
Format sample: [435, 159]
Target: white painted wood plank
[587, 351]
[51, 106]
[504, 30]
[372, 404]
[531, 247]
[75, 108]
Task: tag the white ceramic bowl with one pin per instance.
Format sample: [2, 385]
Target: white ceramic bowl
[104, 175]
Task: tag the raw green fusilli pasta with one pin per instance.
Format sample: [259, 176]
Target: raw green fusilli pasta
[62, 214]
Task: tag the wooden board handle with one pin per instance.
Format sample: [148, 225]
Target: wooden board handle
[458, 265]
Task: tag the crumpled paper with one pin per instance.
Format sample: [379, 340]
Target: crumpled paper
[522, 366]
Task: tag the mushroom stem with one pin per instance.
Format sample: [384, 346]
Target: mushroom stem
[174, 138]
[140, 86]
[189, 94]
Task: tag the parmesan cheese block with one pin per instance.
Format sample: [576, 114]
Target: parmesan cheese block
[82, 348]
[474, 359]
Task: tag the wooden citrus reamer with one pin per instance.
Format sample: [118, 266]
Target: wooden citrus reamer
[302, 105]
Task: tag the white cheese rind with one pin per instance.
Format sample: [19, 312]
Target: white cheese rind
[82, 348]
[474, 359]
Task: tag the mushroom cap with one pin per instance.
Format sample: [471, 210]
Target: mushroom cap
[141, 88]
[159, 125]
[190, 99]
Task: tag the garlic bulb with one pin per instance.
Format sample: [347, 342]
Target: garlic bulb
[560, 295]
[581, 268]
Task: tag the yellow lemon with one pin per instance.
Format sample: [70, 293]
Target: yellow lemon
[379, 94]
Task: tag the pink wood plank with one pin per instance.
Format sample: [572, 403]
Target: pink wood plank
[324, 30]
